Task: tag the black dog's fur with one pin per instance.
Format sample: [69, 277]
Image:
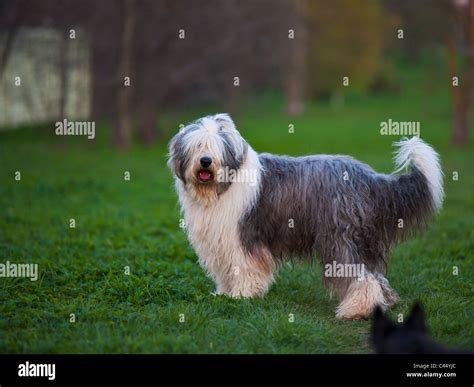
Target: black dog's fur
[408, 338]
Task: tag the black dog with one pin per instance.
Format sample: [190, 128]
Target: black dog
[408, 338]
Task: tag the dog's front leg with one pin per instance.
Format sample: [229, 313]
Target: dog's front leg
[250, 282]
[251, 274]
[220, 271]
[242, 283]
[242, 275]
[222, 284]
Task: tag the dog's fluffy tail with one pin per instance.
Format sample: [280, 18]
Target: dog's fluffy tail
[415, 196]
[418, 155]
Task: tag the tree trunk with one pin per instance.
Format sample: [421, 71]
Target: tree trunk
[63, 74]
[63, 49]
[462, 94]
[123, 125]
[296, 75]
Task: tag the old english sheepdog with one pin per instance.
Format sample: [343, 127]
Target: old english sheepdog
[246, 213]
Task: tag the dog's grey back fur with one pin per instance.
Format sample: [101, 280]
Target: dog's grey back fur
[348, 221]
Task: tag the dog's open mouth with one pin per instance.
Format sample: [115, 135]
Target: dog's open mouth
[204, 176]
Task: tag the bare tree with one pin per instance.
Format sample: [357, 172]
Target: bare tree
[123, 125]
[296, 71]
[63, 56]
[463, 31]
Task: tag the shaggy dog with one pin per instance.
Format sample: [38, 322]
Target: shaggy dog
[246, 213]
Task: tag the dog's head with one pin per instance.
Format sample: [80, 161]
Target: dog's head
[408, 337]
[201, 150]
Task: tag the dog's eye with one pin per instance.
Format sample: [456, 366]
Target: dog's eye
[221, 128]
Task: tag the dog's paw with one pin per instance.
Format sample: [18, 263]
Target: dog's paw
[245, 294]
[217, 293]
[352, 317]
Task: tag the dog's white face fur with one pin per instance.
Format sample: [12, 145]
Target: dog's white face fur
[199, 152]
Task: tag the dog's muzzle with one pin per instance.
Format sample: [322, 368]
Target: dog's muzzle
[205, 175]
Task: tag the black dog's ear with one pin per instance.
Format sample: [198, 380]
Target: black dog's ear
[416, 320]
[381, 325]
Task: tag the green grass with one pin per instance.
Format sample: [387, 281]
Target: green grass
[136, 224]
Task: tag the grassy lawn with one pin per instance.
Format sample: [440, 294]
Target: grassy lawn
[136, 223]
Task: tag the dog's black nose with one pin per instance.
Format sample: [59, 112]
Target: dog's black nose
[205, 161]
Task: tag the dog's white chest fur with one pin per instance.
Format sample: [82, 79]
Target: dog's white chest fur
[213, 229]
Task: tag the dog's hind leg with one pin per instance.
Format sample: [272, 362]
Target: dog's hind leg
[358, 282]
[390, 295]
[364, 294]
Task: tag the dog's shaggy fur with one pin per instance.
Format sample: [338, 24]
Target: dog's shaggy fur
[332, 207]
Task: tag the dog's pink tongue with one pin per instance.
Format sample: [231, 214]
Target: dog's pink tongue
[205, 175]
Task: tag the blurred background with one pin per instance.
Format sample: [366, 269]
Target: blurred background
[127, 63]
[298, 77]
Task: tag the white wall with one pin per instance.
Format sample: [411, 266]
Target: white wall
[35, 59]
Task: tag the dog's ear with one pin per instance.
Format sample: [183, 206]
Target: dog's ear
[416, 320]
[176, 155]
[381, 326]
[225, 120]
